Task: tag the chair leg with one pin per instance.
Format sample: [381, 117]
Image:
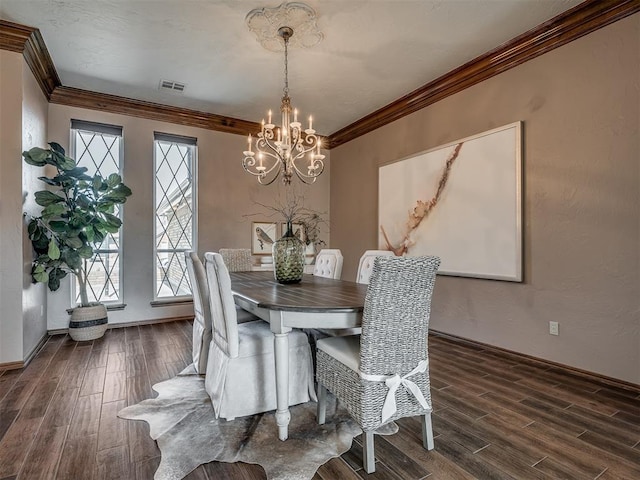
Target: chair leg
[427, 432]
[322, 404]
[368, 455]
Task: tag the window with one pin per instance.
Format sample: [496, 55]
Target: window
[98, 147]
[175, 212]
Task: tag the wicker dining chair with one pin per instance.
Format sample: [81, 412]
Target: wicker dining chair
[241, 374]
[202, 321]
[383, 374]
[328, 263]
[237, 259]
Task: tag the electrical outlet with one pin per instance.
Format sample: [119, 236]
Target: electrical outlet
[554, 328]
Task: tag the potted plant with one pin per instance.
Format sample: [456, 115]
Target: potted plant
[78, 213]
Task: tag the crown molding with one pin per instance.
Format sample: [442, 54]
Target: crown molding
[566, 27]
[29, 42]
[76, 97]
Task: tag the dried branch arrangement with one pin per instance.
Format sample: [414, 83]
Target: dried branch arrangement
[422, 209]
[292, 210]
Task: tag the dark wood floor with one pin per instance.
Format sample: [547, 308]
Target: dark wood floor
[496, 416]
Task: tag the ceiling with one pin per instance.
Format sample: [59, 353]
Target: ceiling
[373, 52]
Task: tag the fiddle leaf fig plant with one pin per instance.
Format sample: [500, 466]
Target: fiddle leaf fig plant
[78, 213]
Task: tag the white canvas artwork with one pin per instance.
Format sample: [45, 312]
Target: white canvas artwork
[474, 225]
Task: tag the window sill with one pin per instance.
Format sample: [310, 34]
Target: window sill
[171, 301]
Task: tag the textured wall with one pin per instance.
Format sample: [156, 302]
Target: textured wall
[225, 194]
[34, 134]
[580, 107]
[10, 207]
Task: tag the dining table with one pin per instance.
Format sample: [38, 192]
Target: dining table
[315, 302]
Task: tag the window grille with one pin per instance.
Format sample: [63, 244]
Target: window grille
[98, 147]
[175, 212]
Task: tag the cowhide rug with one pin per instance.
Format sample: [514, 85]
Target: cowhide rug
[182, 422]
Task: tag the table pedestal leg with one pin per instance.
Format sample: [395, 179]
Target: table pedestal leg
[283, 416]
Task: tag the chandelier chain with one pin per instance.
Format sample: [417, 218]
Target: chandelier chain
[286, 66]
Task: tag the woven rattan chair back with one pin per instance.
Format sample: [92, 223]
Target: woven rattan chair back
[223, 310]
[202, 322]
[395, 321]
[237, 259]
[365, 266]
[328, 263]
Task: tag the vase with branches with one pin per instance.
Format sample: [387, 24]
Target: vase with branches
[289, 251]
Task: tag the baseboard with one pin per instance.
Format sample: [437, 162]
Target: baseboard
[11, 366]
[506, 352]
[34, 351]
[62, 331]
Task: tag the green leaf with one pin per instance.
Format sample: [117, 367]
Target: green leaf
[45, 197]
[56, 147]
[112, 220]
[97, 183]
[41, 244]
[32, 228]
[89, 233]
[79, 173]
[58, 226]
[40, 275]
[36, 156]
[73, 259]
[113, 180]
[123, 190]
[54, 251]
[98, 235]
[74, 242]
[85, 251]
[53, 210]
[50, 181]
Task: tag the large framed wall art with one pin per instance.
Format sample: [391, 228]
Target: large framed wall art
[461, 201]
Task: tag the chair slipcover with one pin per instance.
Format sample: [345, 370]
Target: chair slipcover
[237, 259]
[241, 370]
[328, 263]
[202, 320]
[383, 374]
[365, 267]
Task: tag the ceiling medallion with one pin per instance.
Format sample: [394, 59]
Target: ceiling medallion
[265, 23]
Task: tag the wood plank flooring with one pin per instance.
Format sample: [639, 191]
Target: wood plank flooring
[496, 416]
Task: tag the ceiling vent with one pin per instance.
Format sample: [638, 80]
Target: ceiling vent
[173, 87]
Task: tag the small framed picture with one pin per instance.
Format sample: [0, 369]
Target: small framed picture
[263, 234]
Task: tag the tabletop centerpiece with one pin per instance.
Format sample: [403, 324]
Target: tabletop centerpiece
[301, 237]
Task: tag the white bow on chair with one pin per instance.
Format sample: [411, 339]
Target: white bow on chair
[393, 382]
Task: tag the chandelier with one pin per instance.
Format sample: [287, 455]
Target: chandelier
[286, 149]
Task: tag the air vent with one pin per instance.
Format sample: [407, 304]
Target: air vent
[174, 87]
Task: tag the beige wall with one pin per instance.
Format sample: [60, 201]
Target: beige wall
[34, 134]
[580, 107]
[10, 207]
[225, 194]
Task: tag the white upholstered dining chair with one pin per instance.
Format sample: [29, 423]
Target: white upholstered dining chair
[383, 374]
[365, 266]
[241, 366]
[328, 263]
[202, 320]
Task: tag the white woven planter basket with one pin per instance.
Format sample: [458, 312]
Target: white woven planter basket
[88, 323]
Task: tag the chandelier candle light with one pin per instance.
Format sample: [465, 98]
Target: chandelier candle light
[287, 148]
